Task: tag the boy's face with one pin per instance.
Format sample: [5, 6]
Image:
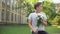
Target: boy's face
[39, 8]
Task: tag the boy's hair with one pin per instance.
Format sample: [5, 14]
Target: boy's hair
[37, 4]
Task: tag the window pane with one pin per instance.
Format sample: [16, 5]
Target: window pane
[7, 15]
[12, 17]
[15, 17]
[2, 15]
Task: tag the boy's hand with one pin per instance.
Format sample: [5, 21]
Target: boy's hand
[44, 21]
[35, 30]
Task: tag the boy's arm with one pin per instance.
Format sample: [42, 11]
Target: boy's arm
[44, 22]
[31, 27]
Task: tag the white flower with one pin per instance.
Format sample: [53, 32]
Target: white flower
[37, 18]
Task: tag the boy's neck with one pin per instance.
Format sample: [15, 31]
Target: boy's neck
[38, 11]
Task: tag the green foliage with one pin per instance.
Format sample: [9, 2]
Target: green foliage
[28, 4]
[49, 9]
[39, 20]
[56, 20]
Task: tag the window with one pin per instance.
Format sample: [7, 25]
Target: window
[7, 15]
[15, 17]
[7, 2]
[2, 15]
[3, 1]
[12, 17]
[19, 19]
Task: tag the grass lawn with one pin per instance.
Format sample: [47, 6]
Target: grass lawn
[24, 29]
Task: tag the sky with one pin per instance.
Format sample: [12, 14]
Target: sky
[54, 1]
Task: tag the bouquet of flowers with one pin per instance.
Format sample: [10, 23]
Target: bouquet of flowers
[39, 18]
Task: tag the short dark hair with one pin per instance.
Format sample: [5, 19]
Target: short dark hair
[37, 4]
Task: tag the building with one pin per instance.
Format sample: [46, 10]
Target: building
[10, 15]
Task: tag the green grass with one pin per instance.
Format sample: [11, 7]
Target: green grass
[52, 30]
[24, 29]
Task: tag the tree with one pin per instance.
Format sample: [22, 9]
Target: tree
[49, 9]
[27, 4]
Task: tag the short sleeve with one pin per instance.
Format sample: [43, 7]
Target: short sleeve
[30, 17]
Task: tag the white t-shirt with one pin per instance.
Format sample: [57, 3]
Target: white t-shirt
[33, 16]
